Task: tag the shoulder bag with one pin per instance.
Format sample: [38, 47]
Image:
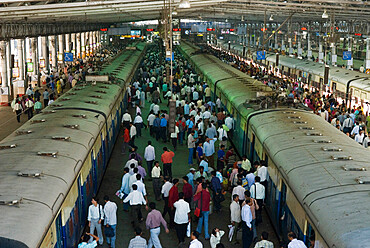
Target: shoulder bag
[198, 211]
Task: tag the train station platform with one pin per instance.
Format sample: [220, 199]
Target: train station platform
[112, 182]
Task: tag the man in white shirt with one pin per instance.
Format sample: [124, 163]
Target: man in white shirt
[258, 192]
[165, 193]
[139, 123]
[131, 161]
[132, 135]
[136, 199]
[126, 119]
[110, 220]
[149, 155]
[156, 108]
[294, 242]
[359, 138]
[239, 190]
[156, 177]
[95, 216]
[132, 178]
[229, 122]
[262, 173]
[182, 217]
[264, 243]
[195, 243]
[150, 120]
[235, 214]
[247, 223]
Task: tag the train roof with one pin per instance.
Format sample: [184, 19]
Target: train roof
[327, 187]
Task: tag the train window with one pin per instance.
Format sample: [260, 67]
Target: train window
[334, 87]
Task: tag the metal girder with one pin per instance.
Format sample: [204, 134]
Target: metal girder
[21, 30]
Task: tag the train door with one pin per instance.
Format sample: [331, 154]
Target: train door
[310, 235]
[283, 213]
[58, 227]
[252, 150]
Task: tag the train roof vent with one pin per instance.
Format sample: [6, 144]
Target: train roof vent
[300, 122]
[10, 200]
[48, 111]
[3, 147]
[76, 88]
[331, 149]
[48, 154]
[96, 96]
[56, 105]
[294, 117]
[21, 132]
[72, 126]
[65, 99]
[30, 173]
[80, 116]
[353, 168]
[341, 157]
[70, 93]
[289, 112]
[363, 180]
[91, 102]
[62, 138]
[103, 87]
[321, 141]
[101, 91]
[306, 128]
[38, 121]
[313, 134]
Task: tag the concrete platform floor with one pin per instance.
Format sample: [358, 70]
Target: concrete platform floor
[112, 182]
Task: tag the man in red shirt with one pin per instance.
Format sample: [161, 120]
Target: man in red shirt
[203, 198]
[126, 140]
[173, 196]
[187, 189]
[166, 159]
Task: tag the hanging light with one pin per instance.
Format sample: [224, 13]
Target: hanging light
[325, 15]
[184, 4]
[242, 19]
[174, 12]
[271, 18]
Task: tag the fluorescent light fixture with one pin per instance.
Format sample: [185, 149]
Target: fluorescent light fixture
[174, 12]
[325, 15]
[271, 18]
[242, 19]
[184, 4]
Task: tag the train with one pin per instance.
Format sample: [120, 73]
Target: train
[52, 166]
[350, 87]
[318, 183]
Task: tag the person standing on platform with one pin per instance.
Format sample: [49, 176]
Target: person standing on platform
[163, 128]
[182, 217]
[110, 220]
[125, 188]
[173, 196]
[29, 107]
[216, 189]
[153, 223]
[95, 217]
[156, 177]
[258, 192]
[38, 106]
[149, 155]
[264, 243]
[132, 135]
[126, 120]
[246, 215]
[209, 150]
[157, 127]
[235, 214]
[136, 199]
[138, 241]
[191, 147]
[204, 198]
[174, 136]
[167, 158]
[45, 95]
[187, 189]
[294, 242]
[139, 123]
[182, 126]
[126, 140]
[18, 110]
[165, 193]
[150, 119]
[262, 172]
[190, 176]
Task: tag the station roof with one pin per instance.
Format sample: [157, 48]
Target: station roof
[119, 11]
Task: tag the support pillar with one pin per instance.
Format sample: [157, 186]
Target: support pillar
[299, 47]
[276, 40]
[45, 52]
[367, 59]
[54, 53]
[309, 49]
[321, 53]
[283, 43]
[68, 42]
[73, 40]
[4, 93]
[34, 55]
[290, 46]
[91, 43]
[20, 58]
[78, 45]
[333, 54]
[350, 62]
[83, 35]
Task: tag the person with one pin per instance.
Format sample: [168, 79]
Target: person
[156, 127]
[153, 223]
[149, 155]
[204, 163]
[250, 178]
[262, 173]
[136, 199]
[85, 241]
[110, 220]
[199, 152]
[132, 161]
[204, 198]
[173, 196]
[126, 119]
[174, 137]
[18, 110]
[190, 176]
[163, 128]
[38, 106]
[216, 189]
[132, 134]
[95, 216]
[139, 123]
[235, 215]
[45, 95]
[156, 177]
[166, 158]
[221, 157]
[254, 206]
[200, 173]
[191, 147]
[264, 243]
[294, 242]
[126, 140]
[195, 243]
[165, 193]
[187, 189]
[209, 150]
[246, 215]
[216, 237]
[246, 164]
[125, 187]
[138, 241]
[150, 119]
[182, 217]
[258, 192]
[239, 190]
[29, 107]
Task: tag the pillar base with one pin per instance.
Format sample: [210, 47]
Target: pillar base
[4, 100]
